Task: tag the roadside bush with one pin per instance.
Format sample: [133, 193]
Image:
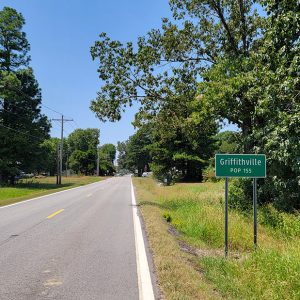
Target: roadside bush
[165, 175]
[270, 214]
[240, 194]
[209, 174]
[283, 193]
[285, 223]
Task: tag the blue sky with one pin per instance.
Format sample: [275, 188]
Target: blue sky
[61, 32]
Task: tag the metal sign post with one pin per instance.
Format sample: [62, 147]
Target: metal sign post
[226, 217]
[255, 212]
[242, 166]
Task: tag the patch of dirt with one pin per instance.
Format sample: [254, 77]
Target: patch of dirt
[185, 247]
[173, 231]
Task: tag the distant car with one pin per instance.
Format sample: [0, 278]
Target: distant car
[145, 174]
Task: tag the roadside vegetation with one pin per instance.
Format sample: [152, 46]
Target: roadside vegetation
[25, 143]
[35, 187]
[185, 225]
[210, 63]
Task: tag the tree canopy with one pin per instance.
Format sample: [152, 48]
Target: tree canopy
[82, 146]
[107, 156]
[23, 127]
[213, 62]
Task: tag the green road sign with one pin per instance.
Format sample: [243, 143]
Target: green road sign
[240, 165]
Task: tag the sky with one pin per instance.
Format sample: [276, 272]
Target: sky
[61, 33]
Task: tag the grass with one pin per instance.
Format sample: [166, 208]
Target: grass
[201, 272]
[35, 187]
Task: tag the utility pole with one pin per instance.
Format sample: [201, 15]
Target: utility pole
[57, 163]
[98, 160]
[67, 162]
[62, 120]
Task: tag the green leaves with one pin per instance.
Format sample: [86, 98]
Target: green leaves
[13, 43]
[107, 155]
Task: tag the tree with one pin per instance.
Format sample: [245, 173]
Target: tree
[168, 62]
[268, 80]
[110, 152]
[82, 147]
[277, 115]
[48, 157]
[138, 154]
[122, 155]
[162, 73]
[23, 127]
[14, 46]
[83, 162]
[84, 139]
[227, 142]
[134, 154]
[182, 141]
[107, 155]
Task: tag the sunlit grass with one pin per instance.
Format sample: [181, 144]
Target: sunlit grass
[197, 212]
[34, 187]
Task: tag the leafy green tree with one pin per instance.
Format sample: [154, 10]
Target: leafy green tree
[168, 62]
[84, 139]
[48, 159]
[138, 154]
[122, 155]
[182, 141]
[82, 147]
[107, 155]
[110, 152]
[23, 127]
[268, 79]
[227, 142]
[14, 46]
[134, 154]
[277, 117]
[162, 73]
[83, 162]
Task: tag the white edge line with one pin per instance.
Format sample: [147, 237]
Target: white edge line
[143, 272]
[56, 193]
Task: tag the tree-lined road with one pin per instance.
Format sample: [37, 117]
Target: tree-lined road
[77, 244]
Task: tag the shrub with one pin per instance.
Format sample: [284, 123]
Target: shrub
[287, 224]
[240, 194]
[209, 174]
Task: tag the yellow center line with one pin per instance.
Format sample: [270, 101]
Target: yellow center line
[54, 214]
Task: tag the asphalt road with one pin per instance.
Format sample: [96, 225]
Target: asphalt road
[78, 244]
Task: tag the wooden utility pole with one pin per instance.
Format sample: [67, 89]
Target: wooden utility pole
[98, 160]
[57, 163]
[62, 120]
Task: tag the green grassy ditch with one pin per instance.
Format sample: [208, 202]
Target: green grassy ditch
[195, 211]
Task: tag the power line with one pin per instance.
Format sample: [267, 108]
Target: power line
[30, 98]
[27, 134]
[76, 123]
[18, 115]
[72, 125]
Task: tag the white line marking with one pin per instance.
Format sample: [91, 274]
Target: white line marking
[56, 193]
[143, 272]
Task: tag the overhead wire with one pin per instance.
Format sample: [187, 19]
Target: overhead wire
[22, 132]
[21, 116]
[40, 104]
[30, 98]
